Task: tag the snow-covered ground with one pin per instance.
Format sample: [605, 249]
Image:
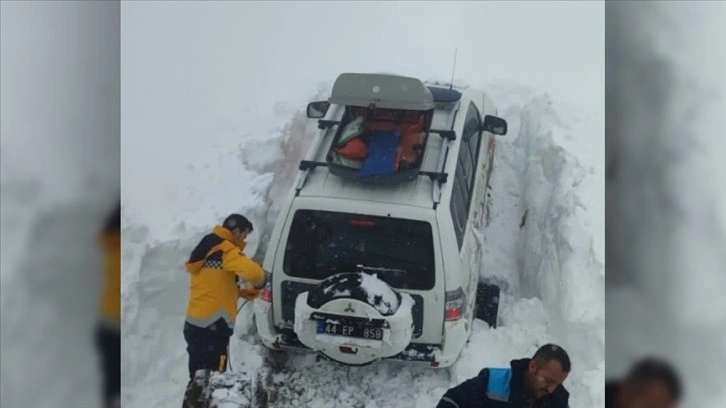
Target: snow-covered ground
[213, 123]
[552, 268]
[206, 86]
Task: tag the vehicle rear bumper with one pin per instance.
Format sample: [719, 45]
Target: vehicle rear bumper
[396, 329]
[274, 338]
[286, 339]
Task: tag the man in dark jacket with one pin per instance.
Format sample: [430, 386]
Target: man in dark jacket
[651, 383]
[529, 383]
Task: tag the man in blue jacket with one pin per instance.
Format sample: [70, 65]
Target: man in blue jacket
[528, 383]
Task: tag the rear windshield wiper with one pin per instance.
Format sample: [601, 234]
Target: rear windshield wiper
[380, 269]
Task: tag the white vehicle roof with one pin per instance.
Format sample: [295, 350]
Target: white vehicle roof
[320, 182]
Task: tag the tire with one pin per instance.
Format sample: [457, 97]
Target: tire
[364, 301]
[487, 303]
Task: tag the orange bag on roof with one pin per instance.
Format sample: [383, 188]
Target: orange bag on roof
[355, 149]
[413, 127]
[411, 145]
[410, 148]
[381, 126]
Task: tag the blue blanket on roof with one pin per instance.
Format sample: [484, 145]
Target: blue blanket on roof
[382, 151]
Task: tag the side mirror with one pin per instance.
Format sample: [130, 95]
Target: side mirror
[317, 110]
[495, 124]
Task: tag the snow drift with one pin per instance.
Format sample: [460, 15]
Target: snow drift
[544, 242]
[543, 245]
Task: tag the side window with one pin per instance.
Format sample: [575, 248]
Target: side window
[472, 136]
[464, 176]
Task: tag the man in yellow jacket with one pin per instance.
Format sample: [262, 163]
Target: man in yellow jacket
[215, 267]
[108, 332]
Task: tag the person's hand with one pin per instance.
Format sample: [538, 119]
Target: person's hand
[249, 293]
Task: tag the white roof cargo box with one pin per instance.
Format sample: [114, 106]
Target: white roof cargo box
[381, 90]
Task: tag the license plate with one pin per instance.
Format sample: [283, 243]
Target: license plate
[349, 330]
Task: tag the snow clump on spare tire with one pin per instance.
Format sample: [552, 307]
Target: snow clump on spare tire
[359, 286]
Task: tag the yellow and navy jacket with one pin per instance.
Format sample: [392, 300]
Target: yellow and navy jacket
[110, 242]
[214, 267]
[500, 388]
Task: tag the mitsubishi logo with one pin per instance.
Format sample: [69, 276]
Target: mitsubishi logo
[349, 308]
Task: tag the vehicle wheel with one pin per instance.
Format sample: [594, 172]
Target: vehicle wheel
[487, 303]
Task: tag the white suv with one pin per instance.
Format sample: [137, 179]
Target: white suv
[374, 254]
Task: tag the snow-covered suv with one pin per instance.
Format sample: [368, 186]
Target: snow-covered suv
[374, 254]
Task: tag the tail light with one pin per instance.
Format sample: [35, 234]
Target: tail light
[266, 293]
[455, 303]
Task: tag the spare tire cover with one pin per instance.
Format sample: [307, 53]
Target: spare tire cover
[338, 295]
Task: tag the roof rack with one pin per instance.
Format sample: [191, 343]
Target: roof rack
[386, 92]
[441, 165]
[439, 177]
[306, 165]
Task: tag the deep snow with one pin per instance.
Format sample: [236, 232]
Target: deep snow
[227, 114]
[203, 80]
[551, 269]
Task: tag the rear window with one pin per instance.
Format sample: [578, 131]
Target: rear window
[322, 243]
